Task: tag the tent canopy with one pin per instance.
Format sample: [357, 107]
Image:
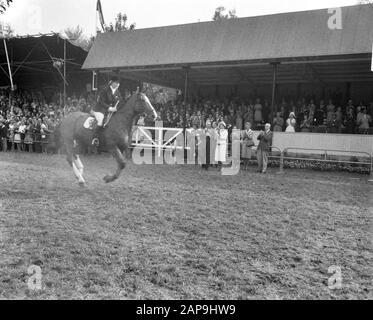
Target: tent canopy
[32, 60]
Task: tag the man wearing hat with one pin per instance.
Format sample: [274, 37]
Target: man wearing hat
[106, 101]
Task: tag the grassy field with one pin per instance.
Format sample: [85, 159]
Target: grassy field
[171, 232]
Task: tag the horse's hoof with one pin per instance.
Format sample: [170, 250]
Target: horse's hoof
[82, 184]
[108, 179]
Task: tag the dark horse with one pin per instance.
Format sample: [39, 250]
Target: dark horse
[115, 137]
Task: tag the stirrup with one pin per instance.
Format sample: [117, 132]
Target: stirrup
[95, 142]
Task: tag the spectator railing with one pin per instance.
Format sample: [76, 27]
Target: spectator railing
[159, 144]
[325, 153]
[34, 141]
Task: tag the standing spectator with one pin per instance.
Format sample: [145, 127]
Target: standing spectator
[330, 109]
[321, 114]
[22, 132]
[28, 137]
[221, 143]
[305, 125]
[350, 105]
[258, 113]
[334, 126]
[209, 136]
[3, 134]
[249, 115]
[339, 114]
[364, 121]
[291, 122]
[239, 120]
[349, 122]
[247, 144]
[264, 148]
[278, 123]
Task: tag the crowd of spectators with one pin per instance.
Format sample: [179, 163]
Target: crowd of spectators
[27, 121]
[301, 116]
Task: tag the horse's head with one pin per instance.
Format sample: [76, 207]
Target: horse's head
[142, 104]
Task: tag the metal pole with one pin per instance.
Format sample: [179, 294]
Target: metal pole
[185, 107]
[9, 68]
[186, 84]
[64, 72]
[10, 77]
[273, 91]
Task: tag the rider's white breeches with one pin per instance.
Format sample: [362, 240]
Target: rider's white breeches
[99, 117]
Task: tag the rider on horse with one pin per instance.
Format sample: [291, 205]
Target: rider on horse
[106, 102]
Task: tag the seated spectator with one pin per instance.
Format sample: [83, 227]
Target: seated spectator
[305, 125]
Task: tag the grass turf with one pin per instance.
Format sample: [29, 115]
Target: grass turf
[178, 232]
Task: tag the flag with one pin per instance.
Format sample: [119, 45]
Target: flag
[100, 15]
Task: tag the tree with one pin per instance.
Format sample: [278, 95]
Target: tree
[4, 4]
[74, 34]
[6, 31]
[77, 36]
[120, 24]
[219, 14]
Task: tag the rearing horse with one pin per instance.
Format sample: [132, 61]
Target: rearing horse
[115, 137]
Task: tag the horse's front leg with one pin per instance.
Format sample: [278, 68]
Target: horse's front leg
[126, 143]
[121, 162]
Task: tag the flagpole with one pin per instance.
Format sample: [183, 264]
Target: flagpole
[96, 21]
[64, 72]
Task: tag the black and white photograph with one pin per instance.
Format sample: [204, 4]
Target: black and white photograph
[209, 151]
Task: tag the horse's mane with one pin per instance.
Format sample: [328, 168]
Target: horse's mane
[123, 103]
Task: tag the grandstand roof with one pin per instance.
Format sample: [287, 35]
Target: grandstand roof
[151, 54]
[289, 35]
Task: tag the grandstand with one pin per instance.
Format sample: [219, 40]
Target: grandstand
[287, 55]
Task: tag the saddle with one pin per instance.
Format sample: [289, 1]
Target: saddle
[91, 122]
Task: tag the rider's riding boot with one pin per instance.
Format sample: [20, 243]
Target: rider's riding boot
[96, 136]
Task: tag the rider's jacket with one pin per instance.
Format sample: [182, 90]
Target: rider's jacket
[106, 99]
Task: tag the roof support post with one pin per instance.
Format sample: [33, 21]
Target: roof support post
[64, 72]
[186, 87]
[273, 90]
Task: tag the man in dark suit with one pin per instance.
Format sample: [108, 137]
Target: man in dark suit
[264, 148]
[106, 102]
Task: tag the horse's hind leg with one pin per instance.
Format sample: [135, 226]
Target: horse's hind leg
[121, 162]
[75, 163]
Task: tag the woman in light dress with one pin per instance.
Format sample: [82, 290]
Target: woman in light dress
[291, 122]
[221, 143]
[258, 115]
